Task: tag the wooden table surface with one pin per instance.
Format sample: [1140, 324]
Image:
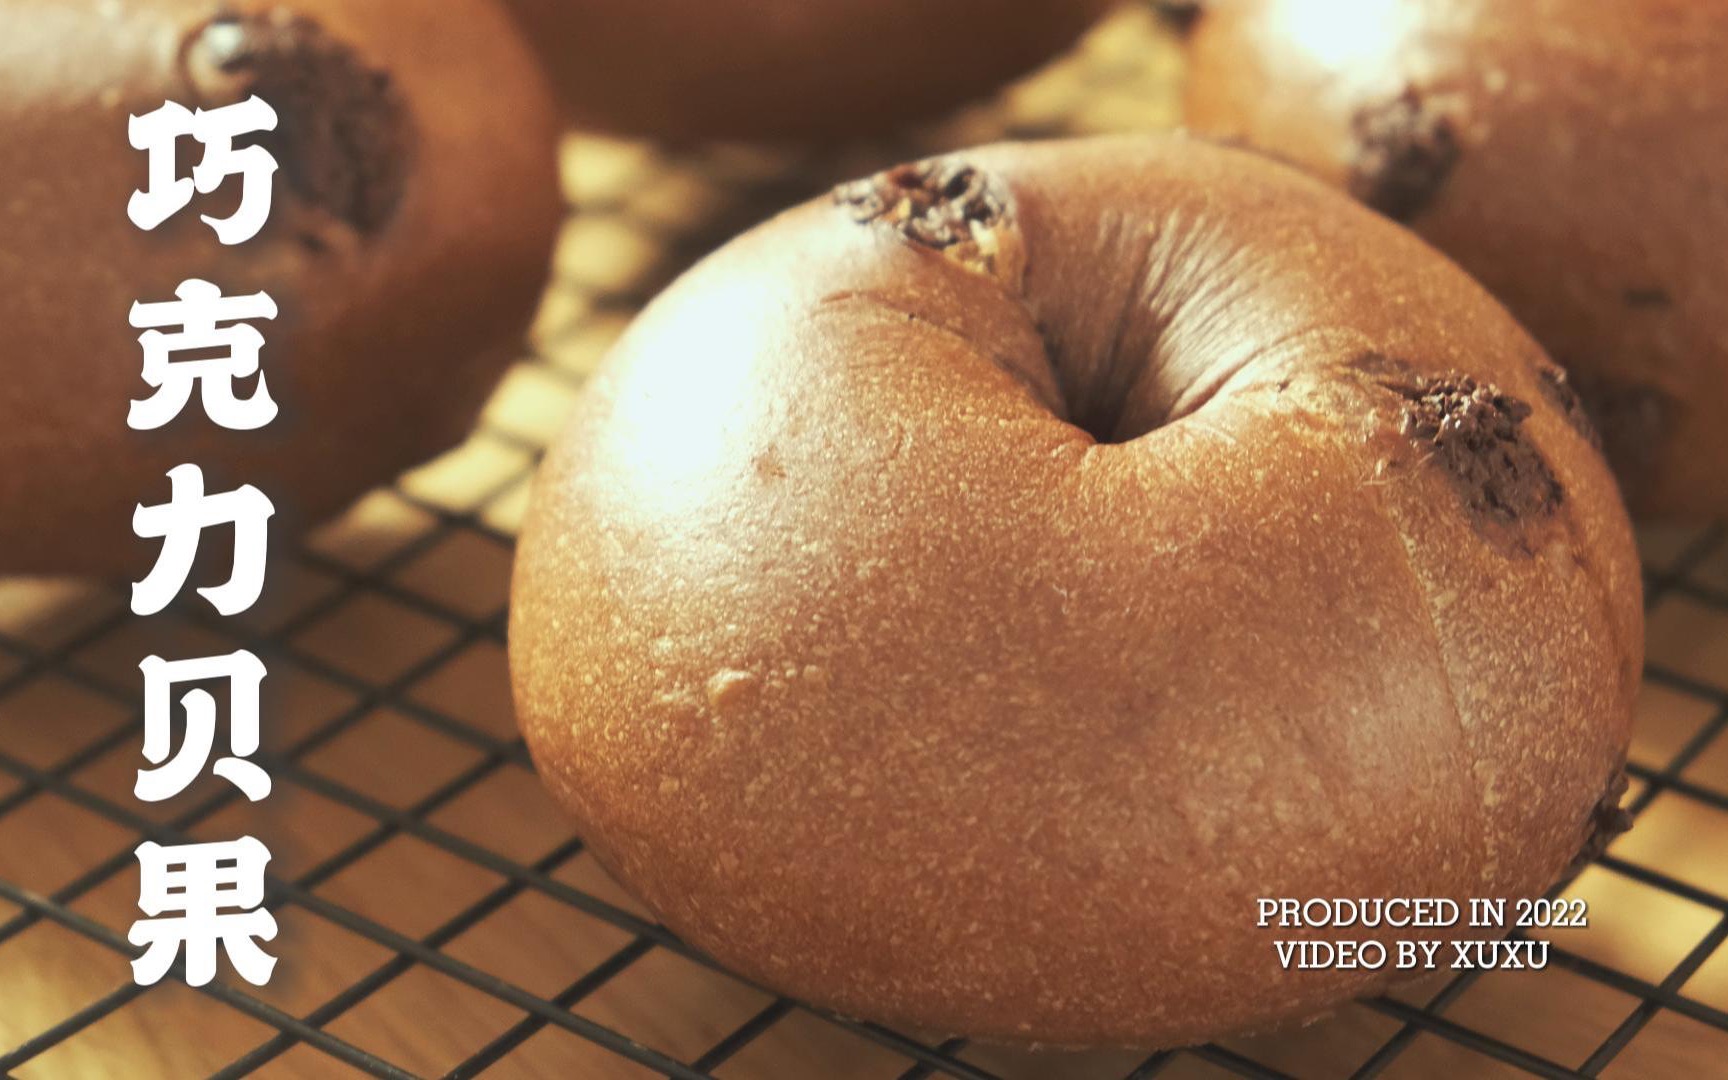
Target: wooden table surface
[403, 804]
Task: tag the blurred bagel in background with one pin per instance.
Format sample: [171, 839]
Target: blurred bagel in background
[414, 213]
[1570, 154]
[815, 70]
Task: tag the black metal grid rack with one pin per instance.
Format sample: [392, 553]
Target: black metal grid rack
[430, 586]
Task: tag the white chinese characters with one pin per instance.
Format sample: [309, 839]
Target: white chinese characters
[196, 314]
[159, 133]
[176, 771]
[180, 524]
[198, 896]
[199, 899]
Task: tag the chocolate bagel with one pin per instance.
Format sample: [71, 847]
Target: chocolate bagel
[408, 242]
[1569, 153]
[788, 69]
[957, 600]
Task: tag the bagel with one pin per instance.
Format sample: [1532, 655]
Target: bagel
[1568, 153]
[956, 601]
[788, 69]
[408, 242]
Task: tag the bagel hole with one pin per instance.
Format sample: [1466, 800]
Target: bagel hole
[1105, 421]
[1134, 390]
[1122, 423]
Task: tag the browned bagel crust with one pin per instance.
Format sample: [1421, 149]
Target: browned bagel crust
[409, 239]
[876, 677]
[788, 69]
[1569, 153]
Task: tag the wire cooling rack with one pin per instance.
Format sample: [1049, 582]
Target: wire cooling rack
[438, 919]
